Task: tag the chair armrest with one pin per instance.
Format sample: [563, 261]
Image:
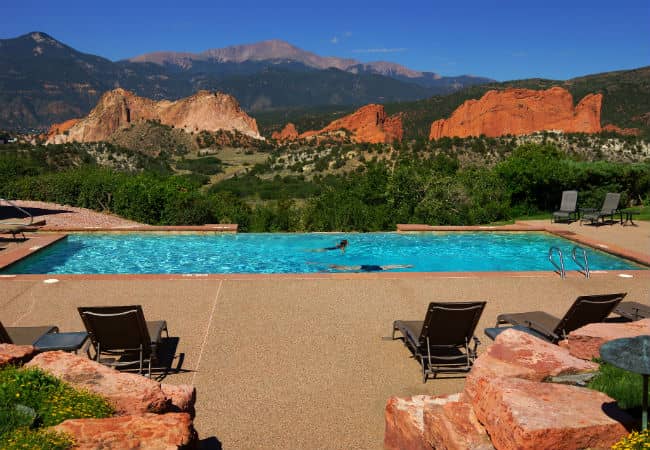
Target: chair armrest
[588, 210]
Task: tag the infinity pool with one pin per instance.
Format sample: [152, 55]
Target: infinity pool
[303, 253]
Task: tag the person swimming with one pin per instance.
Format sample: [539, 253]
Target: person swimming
[340, 246]
[369, 267]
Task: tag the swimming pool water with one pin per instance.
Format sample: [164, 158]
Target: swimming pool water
[296, 253]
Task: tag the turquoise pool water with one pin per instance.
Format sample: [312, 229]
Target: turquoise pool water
[298, 253]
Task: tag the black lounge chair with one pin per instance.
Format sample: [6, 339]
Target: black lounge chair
[633, 310]
[442, 341]
[568, 208]
[585, 310]
[120, 333]
[13, 229]
[609, 209]
[24, 335]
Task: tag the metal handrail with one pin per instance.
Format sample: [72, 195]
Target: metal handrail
[31, 218]
[584, 268]
[560, 268]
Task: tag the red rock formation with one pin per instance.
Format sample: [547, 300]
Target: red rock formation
[288, 133]
[128, 393]
[624, 131]
[152, 431]
[201, 111]
[519, 355]
[521, 111]
[15, 354]
[529, 415]
[60, 128]
[368, 124]
[585, 342]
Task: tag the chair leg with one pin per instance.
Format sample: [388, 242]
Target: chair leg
[141, 359]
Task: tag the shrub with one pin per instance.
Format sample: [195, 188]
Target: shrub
[30, 399]
[634, 441]
[623, 386]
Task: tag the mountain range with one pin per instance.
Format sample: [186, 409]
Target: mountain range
[43, 80]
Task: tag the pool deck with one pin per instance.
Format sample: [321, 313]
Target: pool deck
[302, 361]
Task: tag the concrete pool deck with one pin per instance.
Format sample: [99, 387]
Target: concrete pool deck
[301, 361]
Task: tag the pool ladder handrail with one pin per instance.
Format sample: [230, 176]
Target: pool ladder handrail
[27, 213]
[584, 268]
[560, 267]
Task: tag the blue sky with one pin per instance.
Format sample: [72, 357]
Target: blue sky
[499, 39]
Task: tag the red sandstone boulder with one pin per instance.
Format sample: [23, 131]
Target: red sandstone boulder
[15, 354]
[128, 393]
[368, 124]
[150, 431]
[288, 133]
[585, 342]
[454, 426]
[405, 421]
[521, 111]
[519, 355]
[523, 414]
[182, 396]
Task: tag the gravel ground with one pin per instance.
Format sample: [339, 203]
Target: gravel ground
[64, 216]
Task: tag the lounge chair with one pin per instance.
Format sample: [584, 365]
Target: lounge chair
[442, 341]
[633, 310]
[13, 229]
[568, 207]
[609, 209]
[585, 310]
[24, 335]
[119, 333]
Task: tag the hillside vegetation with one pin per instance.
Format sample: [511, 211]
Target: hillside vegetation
[393, 186]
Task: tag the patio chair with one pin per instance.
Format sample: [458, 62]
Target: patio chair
[13, 229]
[585, 310]
[444, 341]
[24, 335]
[120, 333]
[633, 310]
[609, 209]
[568, 207]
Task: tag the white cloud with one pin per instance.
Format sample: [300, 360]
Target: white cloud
[334, 40]
[340, 37]
[380, 50]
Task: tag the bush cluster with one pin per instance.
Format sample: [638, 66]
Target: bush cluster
[409, 188]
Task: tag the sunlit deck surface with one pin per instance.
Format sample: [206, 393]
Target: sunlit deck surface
[300, 361]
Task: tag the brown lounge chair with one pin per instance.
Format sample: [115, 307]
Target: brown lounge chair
[585, 310]
[633, 310]
[24, 335]
[119, 333]
[13, 229]
[442, 341]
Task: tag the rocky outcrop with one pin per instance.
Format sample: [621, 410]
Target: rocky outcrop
[369, 124]
[129, 394]
[529, 415]
[15, 354]
[520, 112]
[585, 342]
[288, 133]
[516, 354]
[117, 109]
[454, 426]
[149, 431]
[61, 128]
[505, 404]
[624, 131]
